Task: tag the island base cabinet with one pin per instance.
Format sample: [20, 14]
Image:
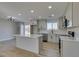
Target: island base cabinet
[29, 44]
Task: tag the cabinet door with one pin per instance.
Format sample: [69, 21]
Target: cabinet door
[69, 14]
[42, 24]
[20, 42]
[78, 12]
[75, 14]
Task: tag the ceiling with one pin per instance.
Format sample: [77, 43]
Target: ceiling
[40, 10]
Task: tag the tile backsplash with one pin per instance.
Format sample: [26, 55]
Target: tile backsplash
[76, 30]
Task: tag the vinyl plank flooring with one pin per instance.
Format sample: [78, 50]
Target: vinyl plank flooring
[50, 50]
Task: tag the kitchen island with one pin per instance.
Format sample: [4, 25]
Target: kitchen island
[30, 42]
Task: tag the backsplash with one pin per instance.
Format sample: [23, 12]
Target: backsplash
[76, 30]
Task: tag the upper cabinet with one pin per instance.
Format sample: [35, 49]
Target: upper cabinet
[42, 24]
[72, 14]
[75, 13]
[68, 14]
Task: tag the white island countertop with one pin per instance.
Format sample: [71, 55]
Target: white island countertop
[29, 36]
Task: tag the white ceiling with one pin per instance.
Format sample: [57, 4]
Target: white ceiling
[40, 9]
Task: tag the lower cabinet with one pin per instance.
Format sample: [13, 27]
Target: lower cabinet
[70, 48]
[29, 44]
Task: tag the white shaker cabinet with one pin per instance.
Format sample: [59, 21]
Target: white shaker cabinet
[75, 13]
[68, 14]
[69, 47]
[42, 24]
[78, 13]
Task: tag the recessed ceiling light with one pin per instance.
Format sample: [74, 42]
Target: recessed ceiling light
[32, 11]
[52, 15]
[19, 14]
[49, 7]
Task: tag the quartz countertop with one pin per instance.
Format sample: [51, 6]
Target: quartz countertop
[28, 36]
[43, 32]
[66, 38]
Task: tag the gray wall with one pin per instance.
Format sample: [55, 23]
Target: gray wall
[7, 29]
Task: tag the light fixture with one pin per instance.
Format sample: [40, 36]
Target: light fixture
[49, 7]
[32, 11]
[52, 15]
[11, 18]
[19, 14]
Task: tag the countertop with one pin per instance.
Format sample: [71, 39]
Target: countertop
[28, 36]
[43, 32]
[66, 38]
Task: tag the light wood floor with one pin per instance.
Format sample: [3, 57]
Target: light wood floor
[8, 49]
[50, 50]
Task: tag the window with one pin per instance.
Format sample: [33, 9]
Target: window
[22, 29]
[55, 26]
[51, 26]
[25, 29]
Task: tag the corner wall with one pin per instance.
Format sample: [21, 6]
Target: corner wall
[7, 29]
